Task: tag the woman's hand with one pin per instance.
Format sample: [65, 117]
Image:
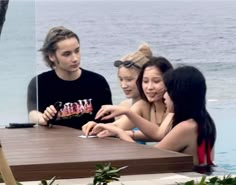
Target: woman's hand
[97, 129]
[108, 129]
[110, 111]
[103, 129]
[88, 128]
[105, 133]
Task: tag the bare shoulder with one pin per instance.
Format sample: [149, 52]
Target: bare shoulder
[141, 107]
[126, 103]
[141, 103]
[187, 125]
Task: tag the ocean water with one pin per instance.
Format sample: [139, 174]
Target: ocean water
[198, 33]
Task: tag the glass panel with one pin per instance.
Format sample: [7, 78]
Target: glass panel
[17, 56]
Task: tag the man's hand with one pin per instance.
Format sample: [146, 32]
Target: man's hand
[49, 113]
[42, 121]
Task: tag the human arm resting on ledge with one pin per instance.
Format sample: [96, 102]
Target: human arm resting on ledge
[123, 122]
[148, 128]
[116, 131]
[138, 135]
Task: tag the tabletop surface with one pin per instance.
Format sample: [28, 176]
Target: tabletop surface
[41, 152]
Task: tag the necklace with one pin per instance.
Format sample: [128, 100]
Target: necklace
[156, 116]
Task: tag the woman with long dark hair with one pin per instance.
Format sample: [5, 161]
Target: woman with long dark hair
[193, 130]
[150, 109]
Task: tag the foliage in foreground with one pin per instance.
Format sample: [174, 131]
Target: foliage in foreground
[50, 182]
[225, 180]
[106, 173]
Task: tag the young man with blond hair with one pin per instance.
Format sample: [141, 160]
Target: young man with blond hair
[67, 95]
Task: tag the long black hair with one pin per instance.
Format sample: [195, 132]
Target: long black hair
[161, 63]
[186, 87]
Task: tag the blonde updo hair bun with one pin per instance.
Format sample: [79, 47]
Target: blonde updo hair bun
[145, 49]
[139, 57]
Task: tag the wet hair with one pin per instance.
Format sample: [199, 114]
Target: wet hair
[186, 87]
[136, 59]
[161, 63]
[55, 35]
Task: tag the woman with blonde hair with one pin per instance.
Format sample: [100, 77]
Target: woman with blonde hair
[193, 130]
[129, 67]
[151, 107]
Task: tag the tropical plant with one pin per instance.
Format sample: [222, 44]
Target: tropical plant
[225, 180]
[50, 182]
[106, 173]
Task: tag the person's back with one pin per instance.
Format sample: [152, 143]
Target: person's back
[194, 131]
[67, 95]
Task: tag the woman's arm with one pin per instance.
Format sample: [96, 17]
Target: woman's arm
[123, 122]
[138, 135]
[148, 128]
[180, 137]
[114, 131]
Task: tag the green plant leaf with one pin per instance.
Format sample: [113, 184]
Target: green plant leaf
[187, 183]
[213, 180]
[225, 180]
[113, 171]
[52, 180]
[106, 168]
[202, 182]
[43, 182]
[123, 167]
[106, 173]
[99, 166]
[117, 170]
[190, 182]
[115, 179]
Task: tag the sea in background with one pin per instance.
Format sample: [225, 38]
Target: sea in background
[199, 33]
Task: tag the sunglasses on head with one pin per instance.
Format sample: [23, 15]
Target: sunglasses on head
[126, 64]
